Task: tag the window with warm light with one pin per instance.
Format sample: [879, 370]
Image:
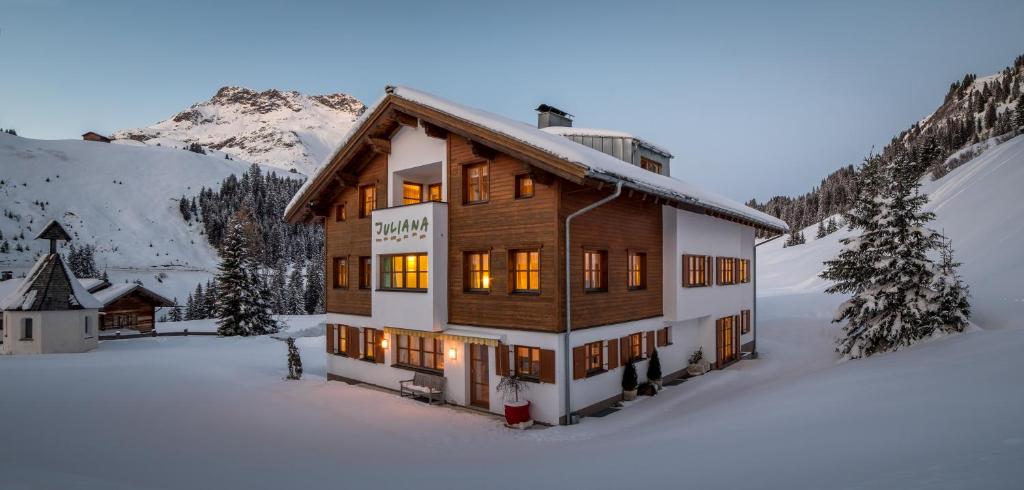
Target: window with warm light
[696, 271]
[339, 212]
[525, 270]
[370, 343]
[365, 272]
[367, 200]
[340, 272]
[595, 270]
[743, 270]
[636, 270]
[342, 339]
[420, 352]
[527, 362]
[595, 357]
[404, 272]
[412, 193]
[726, 270]
[636, 346]
[478, 271]
[434, 192]
[475, 183]
[648, 164]
[524, 186]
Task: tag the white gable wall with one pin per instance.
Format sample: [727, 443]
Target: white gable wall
[52, 331]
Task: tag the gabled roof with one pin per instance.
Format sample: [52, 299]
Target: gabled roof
[556, 154]
[53, 231]
[50, 286]
[118, 291]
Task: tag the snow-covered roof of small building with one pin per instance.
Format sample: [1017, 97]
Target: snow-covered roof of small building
[92, 284]
[53, 231]
[116, 291]
[599, 166]
[603, 133]
[49, 286]
[8, 286]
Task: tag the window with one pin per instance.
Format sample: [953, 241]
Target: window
[367, 200]
[399, 272]
[528, 362]
[595, 357]
[26, 331]
[695, 271]
[636, 346]
[369, 343]
[475, 183]
[340, 272]
[88, 327]
[743, 270]
[648, 164]
[478, 271]
[595, 270]
[365, 271]
[636, 270]
[726, 270]
[339, 212]
[525, 271]
[343, 339]
[524, 186]
[412, 193]
[434, 192]
[421, 352]
[744, 322]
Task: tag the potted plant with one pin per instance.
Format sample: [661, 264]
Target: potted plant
[698, 365]
[654, 370]
[629, 382]
[517, 412]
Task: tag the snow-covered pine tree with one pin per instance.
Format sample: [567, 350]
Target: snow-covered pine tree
[832, 226]
[198, 308]
[190, 308]
[294, 361]
[886, 268]
[242, 305]
[314, 294]
[821, 230]
[954, 308]
[175, 314]
[296, 291]
[279, 290]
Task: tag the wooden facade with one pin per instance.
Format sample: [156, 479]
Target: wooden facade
[134, 311]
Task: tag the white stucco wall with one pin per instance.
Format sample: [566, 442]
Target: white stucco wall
[411, 148]
[52, 331]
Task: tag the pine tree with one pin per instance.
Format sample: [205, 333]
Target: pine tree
[954, 307]
[1018, 120]
[821, 230]
[886, 268]
[654, 367]
[190, 308]
[294, 361]
[242, 306]
[629, 378]
[296, 292]
[832, 226]
[314, 294]
[175, 314]
[198, 307]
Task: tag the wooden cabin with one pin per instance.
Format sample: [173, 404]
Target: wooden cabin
[126, 306]
[93, 136]
[467, 246]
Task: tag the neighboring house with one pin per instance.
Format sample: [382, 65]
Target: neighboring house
[91, 136]
[127, 306]
[445, 231]
[49, 311]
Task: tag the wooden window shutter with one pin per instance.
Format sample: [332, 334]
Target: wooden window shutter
[709, 270]
[686, 270]
[613, 354]
[650, 343]
[378, 350]
[501, 359]
[624, 350]
[718, 271]
[352, 337]
[330, 338]
[579, 369]
[662, 337]
[547, 366]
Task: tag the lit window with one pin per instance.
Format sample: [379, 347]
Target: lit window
[339, 212]
[524, 186]
[595, 356]
[637, 270]
[370, 343]
[412, 193]
[340, 272]
[421, 352]
[525, 271]
[476, 183]
[527, 362]
[403, 272]
[636, 346]
[594, 270]
[743, 270]
[343, 339]
[695, 271]
[478, 271]
[648, 164]
[726, 270]
[434, 192]
[367, 200]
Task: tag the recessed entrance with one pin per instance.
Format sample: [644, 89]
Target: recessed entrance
[479, 375]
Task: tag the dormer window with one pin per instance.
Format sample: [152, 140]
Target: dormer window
[648, 164]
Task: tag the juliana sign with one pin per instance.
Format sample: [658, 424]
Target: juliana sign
[401, 229]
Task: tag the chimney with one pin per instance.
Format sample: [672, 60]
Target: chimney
[552, 116]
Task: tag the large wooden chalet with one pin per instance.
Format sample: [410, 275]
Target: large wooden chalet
[462, 244]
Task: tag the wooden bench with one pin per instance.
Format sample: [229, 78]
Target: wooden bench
[429, 386]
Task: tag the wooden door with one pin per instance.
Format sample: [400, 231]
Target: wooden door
[726, 340]
[479, 376]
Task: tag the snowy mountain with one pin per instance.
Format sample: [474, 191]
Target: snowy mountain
[287, 130]
[122, 198]
[977, 205]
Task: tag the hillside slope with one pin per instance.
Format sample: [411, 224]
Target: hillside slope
[283, 129]
[977, 205]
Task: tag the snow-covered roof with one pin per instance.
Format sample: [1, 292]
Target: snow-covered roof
[603, 133]
[112, 293]
[598, 165]
[49, 286]
[91, 282]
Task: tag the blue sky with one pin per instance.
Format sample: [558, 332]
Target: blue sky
[754, 99]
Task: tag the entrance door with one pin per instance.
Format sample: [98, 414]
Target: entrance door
[726, 340]
[479, 375]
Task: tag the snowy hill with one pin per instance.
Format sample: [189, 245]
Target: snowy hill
[287, 130]
[977, 205]
[121, 198]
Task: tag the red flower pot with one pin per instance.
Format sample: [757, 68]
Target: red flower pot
[517, 412]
